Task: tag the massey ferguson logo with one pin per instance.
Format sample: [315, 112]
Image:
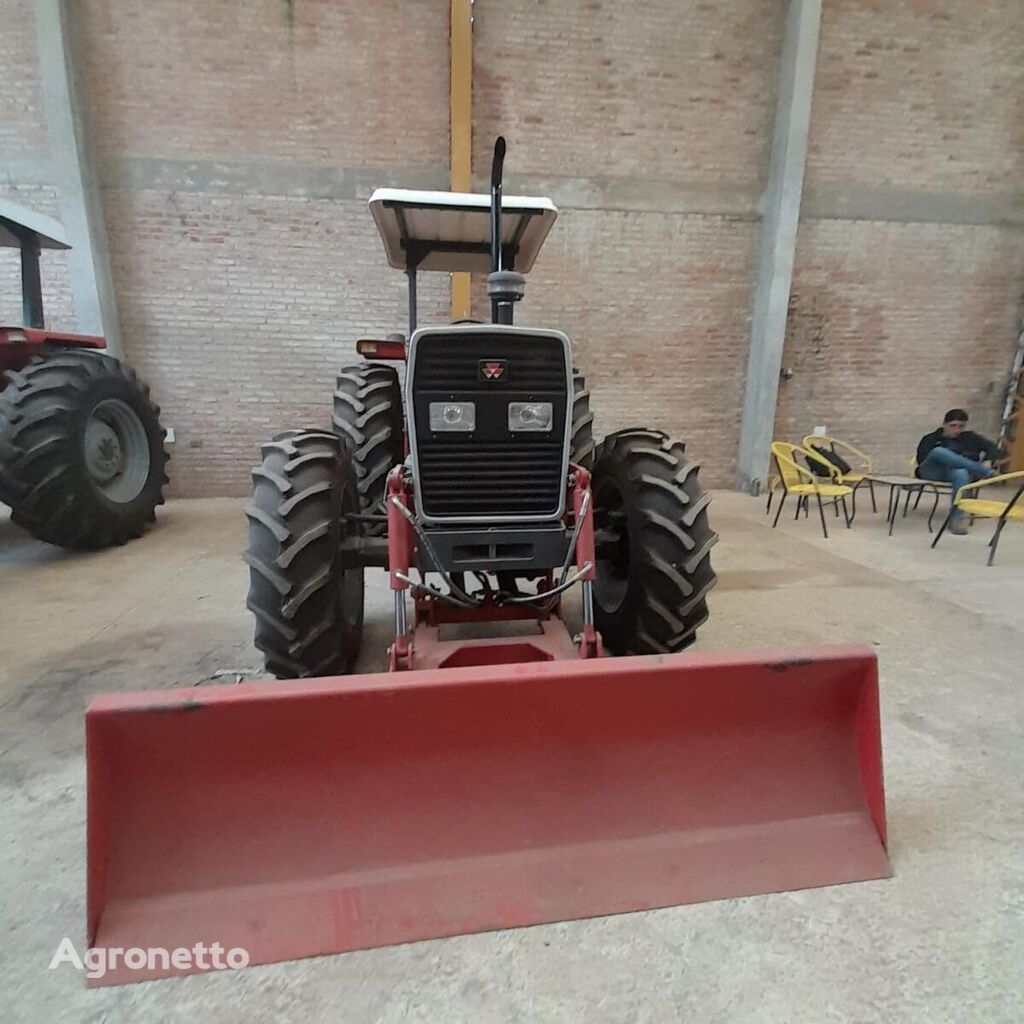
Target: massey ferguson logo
[493, 369]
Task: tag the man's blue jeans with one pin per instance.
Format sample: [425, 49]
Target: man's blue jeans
[952, 468]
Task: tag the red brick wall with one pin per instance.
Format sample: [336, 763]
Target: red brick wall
[923, 94]
[918, 105]
[241, 311]
[58, 308]
[22, 125]
[237, 144]
[892, 324]
[22, 143]
[670, 90]
[631, 99]
[656, 308]
[344, 84]
[240, 308]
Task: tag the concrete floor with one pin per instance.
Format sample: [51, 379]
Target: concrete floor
[943, 940]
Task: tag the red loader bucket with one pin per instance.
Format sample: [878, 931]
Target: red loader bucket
[298, 818]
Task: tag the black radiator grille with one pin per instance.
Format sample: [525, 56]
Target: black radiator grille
[463, 478]
[490, 473]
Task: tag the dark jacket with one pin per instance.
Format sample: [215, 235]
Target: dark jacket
[969, 444]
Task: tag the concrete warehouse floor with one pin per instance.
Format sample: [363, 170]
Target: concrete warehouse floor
[940, 941]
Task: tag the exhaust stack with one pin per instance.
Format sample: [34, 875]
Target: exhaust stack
[504, 287]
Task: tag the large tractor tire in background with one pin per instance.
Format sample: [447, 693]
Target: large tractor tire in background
[10, 488]
[653, 544]
[82, 453]
[582, 447]
[368, 418]
[308, 607]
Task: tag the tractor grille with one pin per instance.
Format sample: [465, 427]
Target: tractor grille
[490, 474]
[491, 479]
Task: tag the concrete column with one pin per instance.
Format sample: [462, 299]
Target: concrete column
[74, 174]
[781, 216]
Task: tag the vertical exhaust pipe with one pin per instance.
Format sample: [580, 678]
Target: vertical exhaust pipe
[497, 166]
[503, 286]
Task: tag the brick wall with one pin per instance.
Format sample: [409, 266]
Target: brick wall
[237, 145]
[656, 308]
[342, 84]
[22, 125]
[22, 144]
[925, 94]
[58, 308]
[891, 324]
[895, 316]
[240, 291]
[627, 119]
[240, 312]
[677, 90]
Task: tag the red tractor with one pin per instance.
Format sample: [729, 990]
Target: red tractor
[81, 447]
[489, 485]
[503, 772]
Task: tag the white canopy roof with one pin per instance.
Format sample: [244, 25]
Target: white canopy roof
[451, 231]
[48, 231]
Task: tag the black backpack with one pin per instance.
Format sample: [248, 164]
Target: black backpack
[826, 453]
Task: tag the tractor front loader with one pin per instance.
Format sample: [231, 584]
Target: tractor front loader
[507, 770]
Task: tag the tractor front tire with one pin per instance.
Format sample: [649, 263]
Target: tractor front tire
[582, 447]
[653, 544]
[368, 418]
[308, 607]
[81, 450]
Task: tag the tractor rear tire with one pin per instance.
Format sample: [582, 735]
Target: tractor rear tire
[308, 609]
[368, 418]
[582, 448]
[653, 544]
[10, 488]
[81, 450]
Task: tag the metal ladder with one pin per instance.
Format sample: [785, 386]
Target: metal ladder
[1011, 431]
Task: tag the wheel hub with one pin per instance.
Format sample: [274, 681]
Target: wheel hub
[102, 451]
[116, 452]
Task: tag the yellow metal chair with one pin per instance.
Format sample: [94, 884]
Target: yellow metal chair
[967, 502]
[938, 487]
[771, 486]
[861, 464]
[799, 480]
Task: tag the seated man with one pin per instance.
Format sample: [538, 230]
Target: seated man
[957, 456]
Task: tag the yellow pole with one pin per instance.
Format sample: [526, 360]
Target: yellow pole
[461, 109]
